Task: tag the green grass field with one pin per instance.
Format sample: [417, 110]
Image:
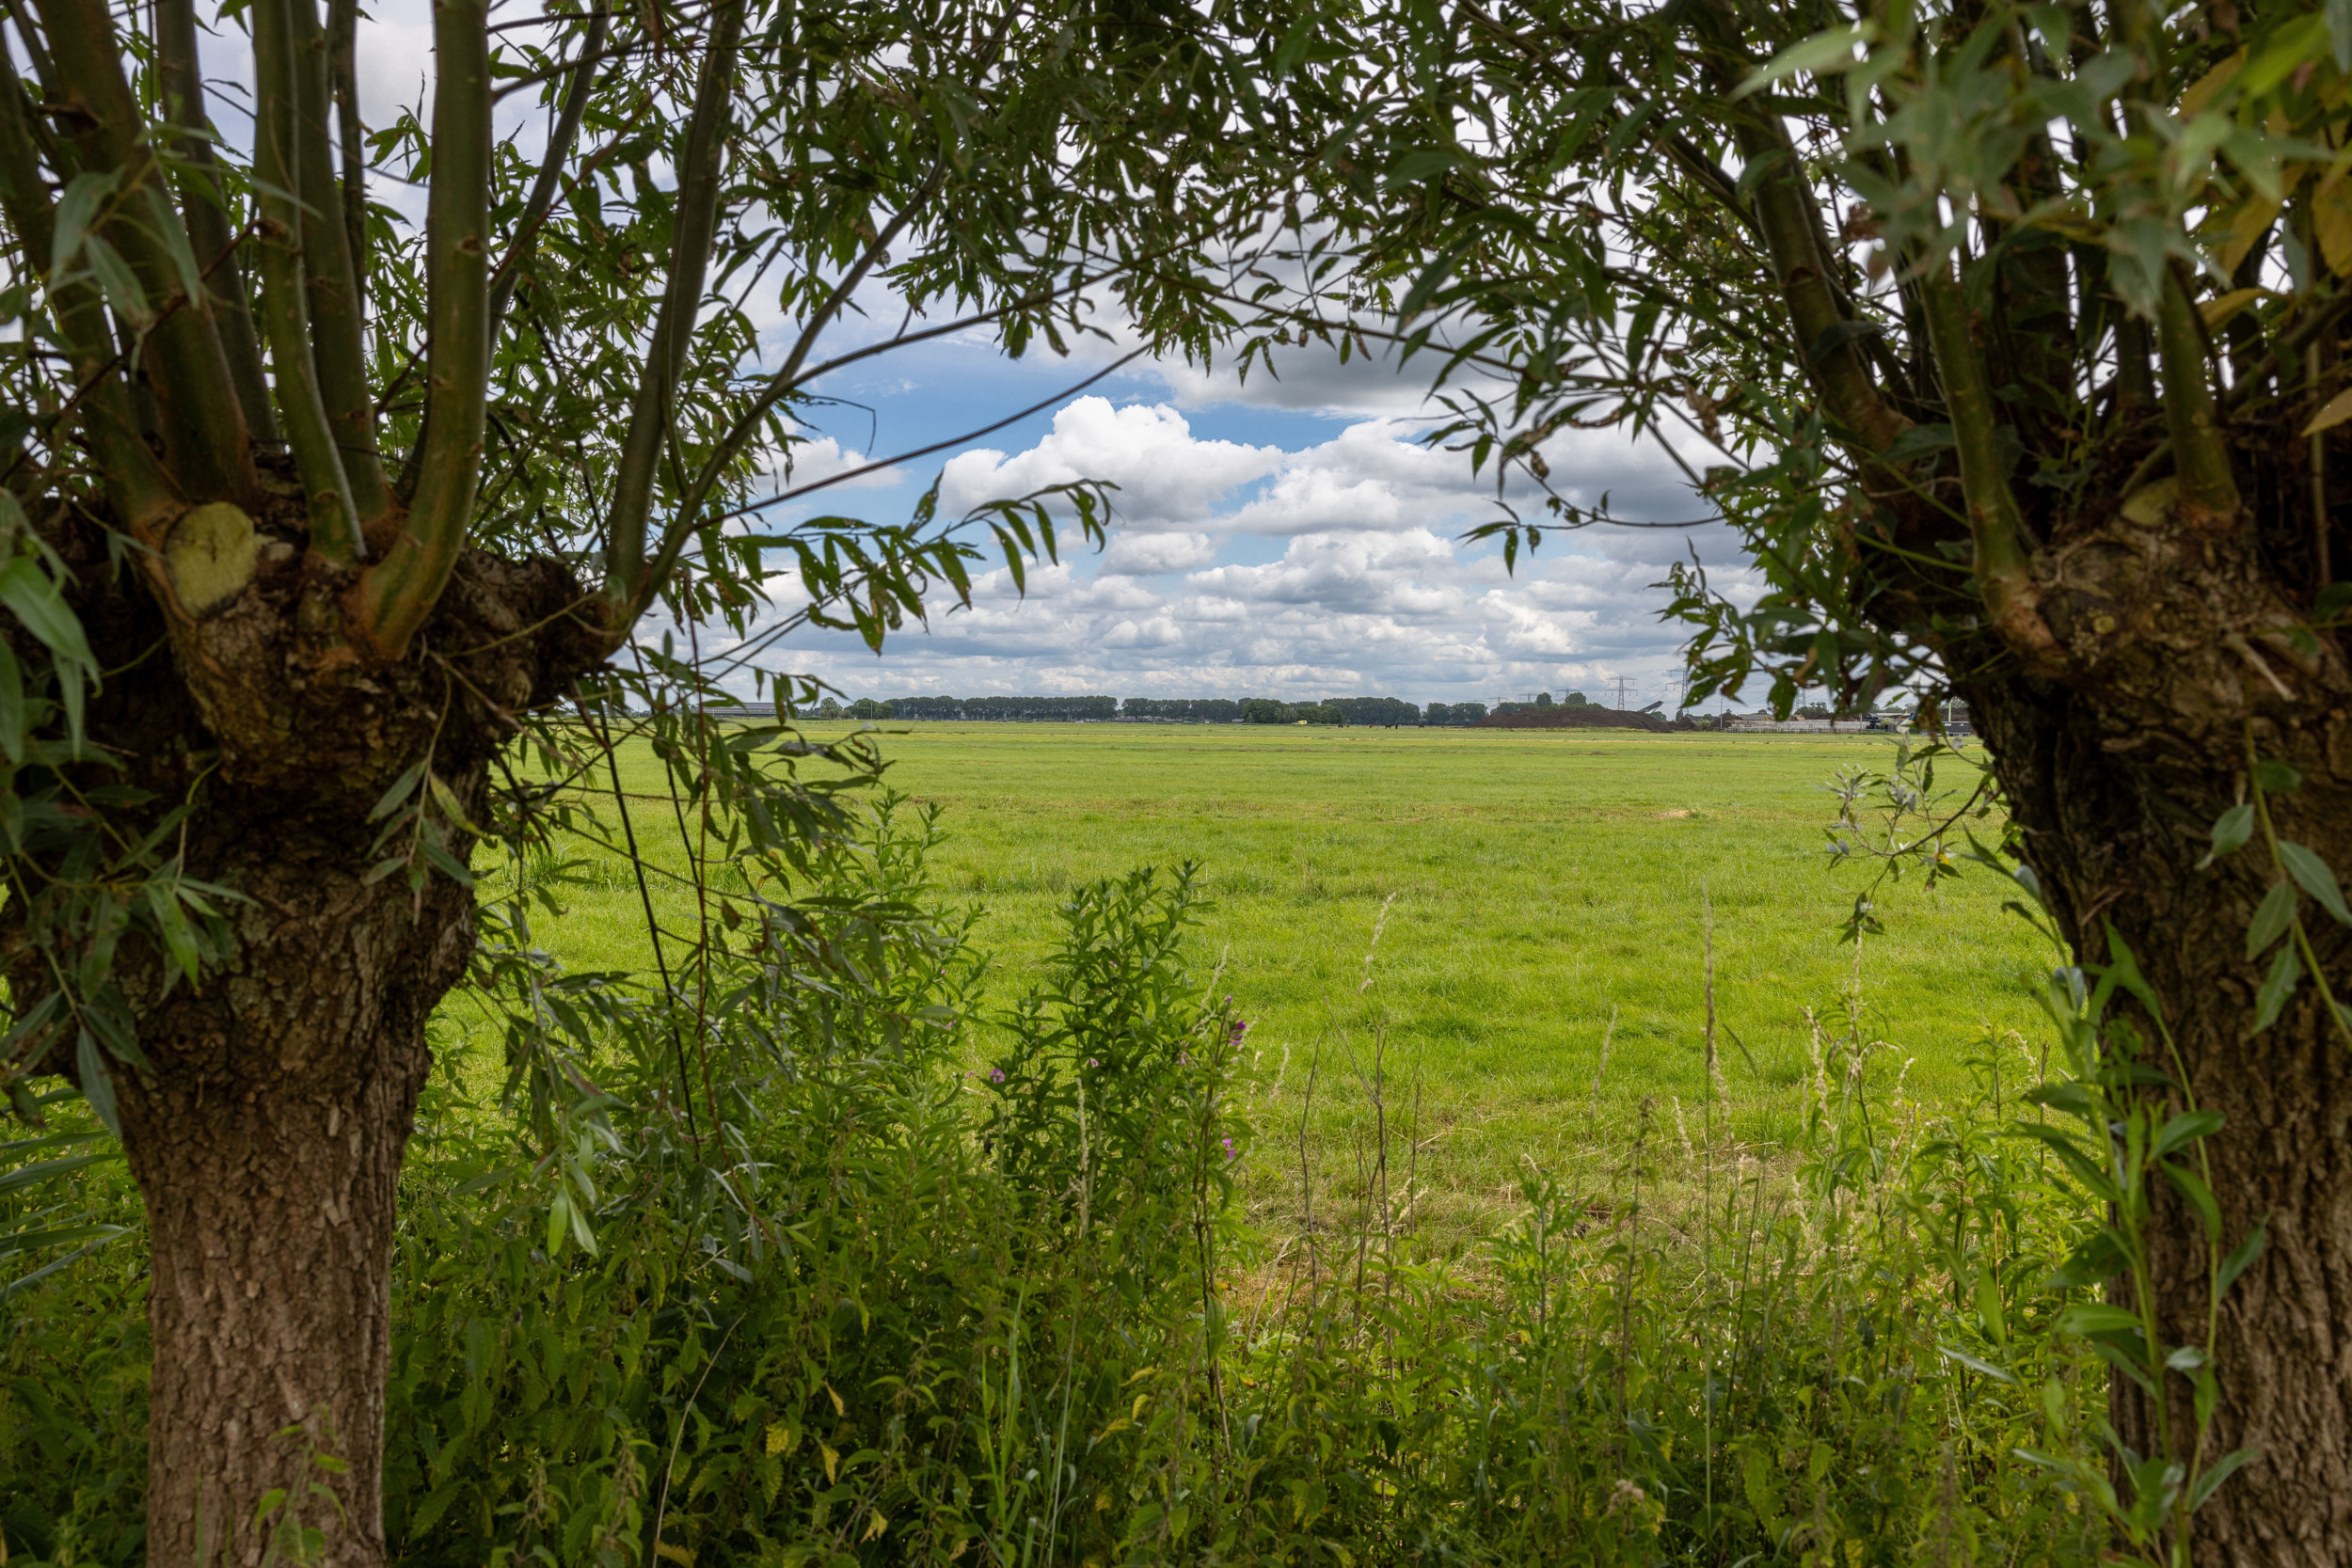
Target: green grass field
[1537, 883]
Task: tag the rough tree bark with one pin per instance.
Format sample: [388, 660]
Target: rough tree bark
[268, 1149]
[2170, 653]
[267, 1140]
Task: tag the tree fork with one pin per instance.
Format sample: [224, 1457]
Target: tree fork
[268, 1133]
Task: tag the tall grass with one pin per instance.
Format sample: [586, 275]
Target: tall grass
[850, 1301]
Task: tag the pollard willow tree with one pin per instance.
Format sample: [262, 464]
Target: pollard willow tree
[308, 510]
[2015, 337]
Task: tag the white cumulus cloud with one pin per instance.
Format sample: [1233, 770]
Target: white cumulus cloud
[1333, 568]
[1166, 479]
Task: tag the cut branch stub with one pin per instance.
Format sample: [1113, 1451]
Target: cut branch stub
[210, 556]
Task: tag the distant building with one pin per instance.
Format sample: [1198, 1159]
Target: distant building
[1761, 721]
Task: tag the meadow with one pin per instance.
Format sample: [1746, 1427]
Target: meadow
[1455, 1255]
[1536, 895]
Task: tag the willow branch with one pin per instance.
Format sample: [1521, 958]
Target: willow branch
[2134, 382]
[342, 70]
[625, 567]
[398, 592]
[1786, 214]
[204, 207]
[285, 303]
[135, 485]
[684, 520]
[2003, 569]
[338, 329]
[2208, 496]
[543, 190]
[24, 194]
[1693, 161]
[206, 449]
[44, 72]
[2037, 304]
[59, 155]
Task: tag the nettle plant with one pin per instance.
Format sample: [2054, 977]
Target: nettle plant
[314, 517]
[2010, 340]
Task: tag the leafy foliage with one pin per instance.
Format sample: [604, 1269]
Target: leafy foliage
[1732, 227]
[1019, 173]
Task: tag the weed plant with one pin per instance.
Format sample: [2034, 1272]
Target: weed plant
[760, 1270]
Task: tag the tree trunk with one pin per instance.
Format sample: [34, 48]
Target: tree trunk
[2116, 783]
[267, 1145]
[267, 1129]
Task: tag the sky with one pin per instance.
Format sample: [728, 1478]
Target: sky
[1291, 536]
[1287, 536]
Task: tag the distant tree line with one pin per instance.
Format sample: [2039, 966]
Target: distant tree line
[1034, 709]
[1363, 712]
[1266, 711]
[1374, 711]
[1543, 700]
[1455, 713]
[1183, 710]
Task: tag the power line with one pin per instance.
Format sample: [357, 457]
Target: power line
[1625, 687]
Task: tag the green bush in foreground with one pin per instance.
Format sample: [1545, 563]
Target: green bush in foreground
[869, 1306]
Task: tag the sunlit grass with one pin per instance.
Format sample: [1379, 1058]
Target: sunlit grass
[1536, 884]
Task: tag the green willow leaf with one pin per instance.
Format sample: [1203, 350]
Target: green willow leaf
[2231, 831]
[1824, 54]
[2183, 1130]
[2286, 971]
[2242, 1257]
[2317, 878]
[2210, 1480]
[2272, 917]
